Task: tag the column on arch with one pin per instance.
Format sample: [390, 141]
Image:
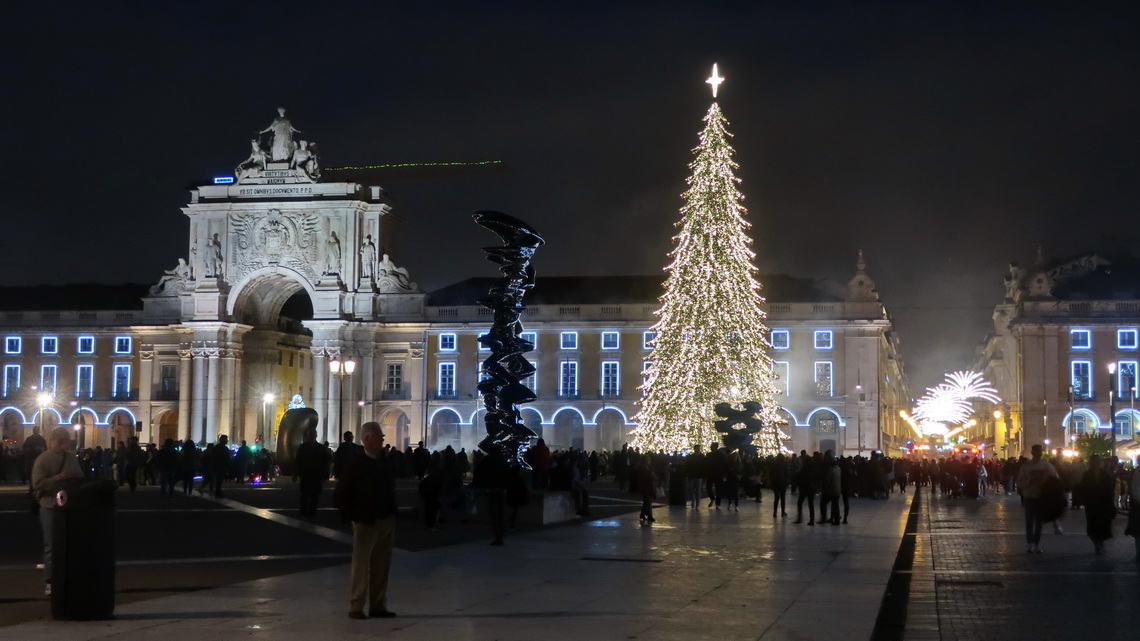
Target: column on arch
[199, 419]
[319, 401]
[184, 393]
[212, 393]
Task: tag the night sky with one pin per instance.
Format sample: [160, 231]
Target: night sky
[944, 138]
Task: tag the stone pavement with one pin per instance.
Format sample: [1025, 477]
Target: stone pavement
[972, 578]
[690, 575]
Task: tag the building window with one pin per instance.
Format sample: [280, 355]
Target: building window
[1080, 339]
[1082, 379]
[782, 370]
[85, 381]
[446, 385]
[168, 380]
[86, 345]
[1126, 339]
[394, 380]
[479, 342]
[11, 379]
[531, 381]
[1078, 424]
[123, 345]
[610, 340]
[530, 337]
[647, 339]
[122, 382]
[447, 342]
[611, 385]
[291, 358]
[568, 380]
[48, 377]
[569, 340]
[1126, 379]
[1123, 425]
[49, 345]
[823, 339]
[824, 385]
[12, 345]
[480, 374]
[781, 339]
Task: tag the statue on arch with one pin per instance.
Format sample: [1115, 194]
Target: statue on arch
[332, 254]
[305, 159]
[281, 146]
[214, 257]
[173, 281]
[396, 277]
[254, 164]
[367, 257]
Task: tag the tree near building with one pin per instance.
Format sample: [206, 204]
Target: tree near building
[711, 343]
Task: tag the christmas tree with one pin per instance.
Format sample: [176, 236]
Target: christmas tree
[711, 342]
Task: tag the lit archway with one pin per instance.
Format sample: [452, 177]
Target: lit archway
[394, 422]
[612, 432]
[444, 430]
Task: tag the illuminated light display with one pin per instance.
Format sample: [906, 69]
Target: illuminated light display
[711, 343]
[223, 180]
[949, 403]
[396, 165]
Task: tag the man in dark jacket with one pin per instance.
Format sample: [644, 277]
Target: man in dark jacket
[344, 454]
[366, 495]
[312, 461]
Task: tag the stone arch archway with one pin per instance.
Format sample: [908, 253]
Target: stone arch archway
[259, 298]
[121, 427]
[445, 430]
[165, 425]
[611, 430]
[395, 422]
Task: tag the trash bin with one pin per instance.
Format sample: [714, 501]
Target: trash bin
[83, 551]
[677, 487]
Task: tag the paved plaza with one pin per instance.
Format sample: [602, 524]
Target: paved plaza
[961, 573]
[690, 575]
[972, 578]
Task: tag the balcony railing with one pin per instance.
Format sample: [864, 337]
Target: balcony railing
[398, 395]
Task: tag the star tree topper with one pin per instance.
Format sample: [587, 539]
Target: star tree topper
[714, 80]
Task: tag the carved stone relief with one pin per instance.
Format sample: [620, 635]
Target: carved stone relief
[265, 240]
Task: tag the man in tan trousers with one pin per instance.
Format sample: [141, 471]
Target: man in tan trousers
[366, 495]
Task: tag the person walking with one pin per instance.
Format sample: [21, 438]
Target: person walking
[49, 471]
[1031, 478]
[806, 481]
[694, 474]
[646, 483]
[166, 459]
[778, 479]
[492, 475]
[1095, 490]
[312, 468]
[189, 460]
[366, 495]
[345, 452]
[1133, 528]
[830, 487]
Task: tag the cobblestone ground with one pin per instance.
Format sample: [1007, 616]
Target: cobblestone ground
[972, 578]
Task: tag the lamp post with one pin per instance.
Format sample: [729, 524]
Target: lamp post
[1112, 414]
[340, 369]
[44, 402]
[266, 401]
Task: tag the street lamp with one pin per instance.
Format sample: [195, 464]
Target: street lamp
[341, 369]
[1112, 414]
[45, 402]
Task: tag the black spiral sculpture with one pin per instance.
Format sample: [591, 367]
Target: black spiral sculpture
[738, 438]
[506, 367]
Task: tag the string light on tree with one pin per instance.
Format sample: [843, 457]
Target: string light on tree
[711, 342]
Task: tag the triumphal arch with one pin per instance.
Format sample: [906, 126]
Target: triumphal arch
[285, 272]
